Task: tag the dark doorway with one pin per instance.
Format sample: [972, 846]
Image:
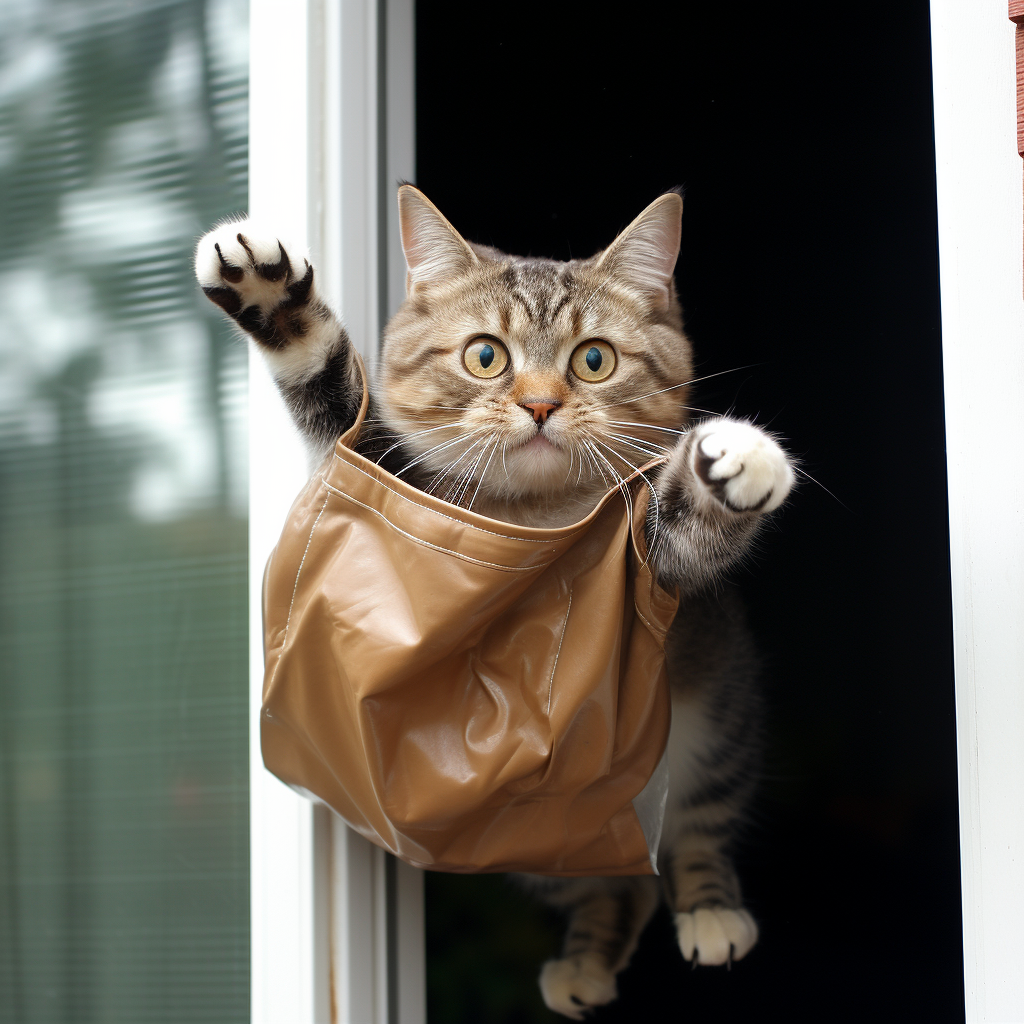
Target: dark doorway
[803, 138]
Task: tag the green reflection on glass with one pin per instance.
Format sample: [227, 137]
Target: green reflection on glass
[123, 624]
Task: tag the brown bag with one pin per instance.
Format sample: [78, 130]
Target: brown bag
[468, 694]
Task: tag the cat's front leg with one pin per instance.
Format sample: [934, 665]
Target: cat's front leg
[720, 480]
[269, 289]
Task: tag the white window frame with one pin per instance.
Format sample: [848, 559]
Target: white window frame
[331, 131]
[337, 924]
[980, 254]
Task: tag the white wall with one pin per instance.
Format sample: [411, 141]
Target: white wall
[981, 253]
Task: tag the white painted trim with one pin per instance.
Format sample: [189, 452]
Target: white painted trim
[401, 132]
[284, 964]
[372, 110]
[409, 984]
[980, 249]
[321, 157]
[359, 923]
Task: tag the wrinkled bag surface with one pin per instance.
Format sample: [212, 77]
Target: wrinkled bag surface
[468, 694]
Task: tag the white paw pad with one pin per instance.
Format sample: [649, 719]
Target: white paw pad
[715, 936]
[577, 984]
[250, 261]
[743, 466]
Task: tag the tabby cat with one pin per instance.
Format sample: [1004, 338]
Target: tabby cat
[523, 389]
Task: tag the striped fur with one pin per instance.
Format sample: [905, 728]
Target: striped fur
[485, 444]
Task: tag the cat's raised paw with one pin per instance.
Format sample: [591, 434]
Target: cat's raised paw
[715, 935]
[576, 985]
[255, 278]
[742, 466]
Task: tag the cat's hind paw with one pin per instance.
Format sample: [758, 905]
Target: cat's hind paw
[576, 985]
[715, 935]
[742, 466]
[258, 280]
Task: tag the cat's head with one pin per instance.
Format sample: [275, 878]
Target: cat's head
[531, 376]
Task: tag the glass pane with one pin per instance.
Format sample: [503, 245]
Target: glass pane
[123, 710]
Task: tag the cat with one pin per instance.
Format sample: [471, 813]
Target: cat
[523, 388]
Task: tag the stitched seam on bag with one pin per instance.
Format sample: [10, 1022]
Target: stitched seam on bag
[298, 572]
[551, 681]
[436, 547]
[444, 515]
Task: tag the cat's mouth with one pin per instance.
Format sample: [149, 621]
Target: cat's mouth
[540, 444]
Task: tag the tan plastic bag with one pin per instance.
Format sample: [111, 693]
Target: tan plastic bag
[468, 694]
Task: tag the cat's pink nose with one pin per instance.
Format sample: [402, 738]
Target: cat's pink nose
[541, 410]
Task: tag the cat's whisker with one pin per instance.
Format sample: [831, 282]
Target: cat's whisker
[647, 447]
[448, 408]
[466, 475]
[590, 450]
[453, 486]
[433, 451]
[622, 485]
[650, 488]
[458, 479]
[483, 474]
[648, 456]
[452, 494]
[438, 477]
[417, 433]
[591, 463]
[685, 383]
[644, 449]
[621, 479]
[469, 476]
[439, 448]
[647, 426]
[616, 478]
[655, 538]
[688, 408]
[466, 478]
[803, 472]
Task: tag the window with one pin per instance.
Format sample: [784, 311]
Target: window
[123, 753]
[123, 739]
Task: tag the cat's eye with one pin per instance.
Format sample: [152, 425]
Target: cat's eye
[592, 361]
[485, 357]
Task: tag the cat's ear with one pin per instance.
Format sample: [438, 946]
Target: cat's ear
[434, 250]
[645, 253]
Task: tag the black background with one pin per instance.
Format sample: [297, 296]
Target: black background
[803, 138]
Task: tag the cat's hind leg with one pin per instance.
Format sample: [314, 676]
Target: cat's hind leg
[712, 777]
[606, 917]
[712, 925]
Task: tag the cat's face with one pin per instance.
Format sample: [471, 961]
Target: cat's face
[516, 377]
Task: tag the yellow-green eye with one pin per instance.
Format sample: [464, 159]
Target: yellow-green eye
[485, 357]
[592, 361]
